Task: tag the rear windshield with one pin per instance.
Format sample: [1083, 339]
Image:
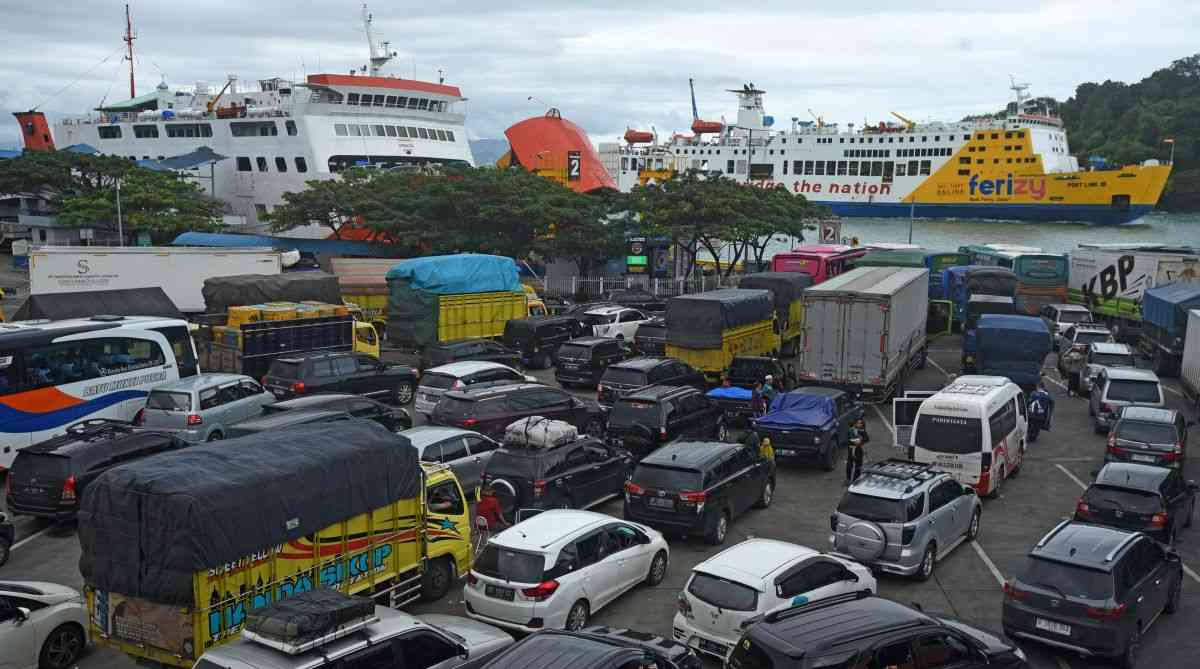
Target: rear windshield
[624, 377]
[1121, 390]
[284, 370]
[1069, 580]
[596, 319]
[506, 462]
[456, 406]
[42, 466]
[949, 434]
[746, 655]
[1123, 499]
[1090, 337]
[630, 412]
[1159, 434]
[1113, 360]
[722, 593]
[574, 352]
[756, 369]
[668, 478]
[167, 401]
[1074, 317]
[881, 510]
[510, 565]
[653, 330]
[437, 381]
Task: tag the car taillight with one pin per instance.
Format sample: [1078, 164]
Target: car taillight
[633, 488]
[1101, 613]
[539, 488]
[907, 533]
[693, 497]
[139, 417]
[541, 592]
[263, 380]
[1175, 454]
[8, 484]
[662, 434]
[194, 419]
[1082, 509]
[472, 579]
[1117, 450]
[1112, 440]
[298, 387]
[1158, 520]
[1013, 592]
[684, 606]
[68, 490]
[1105, 408]
[469, 422]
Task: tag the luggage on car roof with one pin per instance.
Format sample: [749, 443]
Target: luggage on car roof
[539, 432]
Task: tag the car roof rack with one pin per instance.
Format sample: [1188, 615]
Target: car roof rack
[904, 473]
[1050, 535]
[301, 623]
[784, 614]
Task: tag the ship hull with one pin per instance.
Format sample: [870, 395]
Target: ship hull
[1032, 213]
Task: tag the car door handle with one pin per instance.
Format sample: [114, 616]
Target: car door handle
[1139, 599]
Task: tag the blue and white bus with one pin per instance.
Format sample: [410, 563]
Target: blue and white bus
[56, 373]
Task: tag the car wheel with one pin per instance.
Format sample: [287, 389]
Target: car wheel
[4, 550]
[722, 431]
[1132, 647]
[620, 337]
[973, 528]
[1172, 604]
[718, 527]
[404, 393]
[927, 560]
[768, 493]
[658, 569]
[438, 577]
[577, 617]
[62, 647]
[215, 436]
[829, 460]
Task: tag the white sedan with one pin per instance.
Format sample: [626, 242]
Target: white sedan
[558, 568]
[41, 625]
[615, 322]
[753, 578]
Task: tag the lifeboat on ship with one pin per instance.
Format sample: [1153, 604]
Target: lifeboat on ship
[638, 136]
[707, 127]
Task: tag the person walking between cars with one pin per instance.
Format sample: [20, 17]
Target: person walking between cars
[769, 392]
[1073, 363]
[490, 510]
[757, 403]
[765, 450]
[1041, 411]
[858, 437]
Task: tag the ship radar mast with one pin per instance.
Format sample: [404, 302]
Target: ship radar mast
[1021, 90]
[380, 53]
[750, 108]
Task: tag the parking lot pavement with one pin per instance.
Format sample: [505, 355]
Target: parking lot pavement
[964, 584]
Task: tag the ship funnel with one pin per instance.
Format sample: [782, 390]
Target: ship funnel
[35, 132]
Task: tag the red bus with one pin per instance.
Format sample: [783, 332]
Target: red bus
[820, 261]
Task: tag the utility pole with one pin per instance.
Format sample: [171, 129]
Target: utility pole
[120, 228]
[128, 39]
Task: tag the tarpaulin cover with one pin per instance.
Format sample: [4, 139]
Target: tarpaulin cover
[412, 316]
[146, 527]
[787, 287]
[1012, 346]
[798, 409]
[954, 283]
[222, 292]
[991, 281]
[731, 393]
[699, 321]
[85, 304]
[1167, 306]
[457, 274]
[308, 615]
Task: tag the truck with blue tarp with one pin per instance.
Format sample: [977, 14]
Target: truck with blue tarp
[1164, 324]
[1012, 346]
[978, 305]
[811, 423]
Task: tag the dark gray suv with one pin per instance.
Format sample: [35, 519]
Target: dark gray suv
[1092, 590]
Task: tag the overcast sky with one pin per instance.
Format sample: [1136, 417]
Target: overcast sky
[607, 65]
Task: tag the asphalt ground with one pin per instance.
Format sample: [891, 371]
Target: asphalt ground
[966, 583]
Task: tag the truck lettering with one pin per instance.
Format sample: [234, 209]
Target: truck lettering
[1115, 280]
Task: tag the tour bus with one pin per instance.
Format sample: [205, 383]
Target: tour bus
[974, 429]
[54, 374]
[819, 261]
[1041, 277]
[935, 263]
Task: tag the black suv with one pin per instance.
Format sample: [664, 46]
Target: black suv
[594, 648]
[490, 410]
[537, 339]
[1092, 590]
[1152, 499]
[746, 370]
[356, 373]
[619, 379]
[857, 631]
[698, 487]
[468, 349]
[582, 361]
[1149, 435]
[651, 338]
[48, 479]
[577, 475]
[393, 418]
[654, 415]
[810, 423]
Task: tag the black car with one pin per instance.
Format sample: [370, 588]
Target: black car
[821, 432]
[593, 648]
[577, 475]
[655, 415]
[861, 631]
[698, 487]
[1155, 500]
[356, 373]
[7, 534]
[48, 479]
[490, 410]
[278, 421]
[637, 299]
[746, 370]
[1092, 590]
[393, 418]
[619, 379]
[1149, 435]
[537, 340]
[582, 361]
[459, 350]
[651, 338]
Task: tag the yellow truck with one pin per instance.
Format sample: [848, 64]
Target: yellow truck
[177, 549]
[787, 290]
[708, 330]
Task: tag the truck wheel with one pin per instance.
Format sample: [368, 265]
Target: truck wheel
[829, 460]
[404, 393]
[436, 582]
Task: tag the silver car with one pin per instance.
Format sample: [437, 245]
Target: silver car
[201, 408]
[1101, 355]
[1059, 317]
[465, 451]
[901, 517]
[1118, 387]
[460, 376]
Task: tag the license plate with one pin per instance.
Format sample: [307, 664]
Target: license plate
[35, 491]
[786, 451]
[712, 647]
[662, 503]
[1051, 626]
[499, 592]
[1145, 458]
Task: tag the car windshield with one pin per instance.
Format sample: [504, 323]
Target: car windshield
[41, 466]
[574, 352]
[457, 407]
[624, 377]
[1067, 579]
[168, 401]
[634, 412]
[598, 319]
[949, 434]
[1122, 499]
[514, 463]
[876, 509]
[1124, 390]
[750, 369]
[1113, 360]
[668, 478]
[437, 381]
[284, 369]
[1087, 337]
[510, 565]
[722, 593]
[1074, 317]
[658, 330]
[1160, 434]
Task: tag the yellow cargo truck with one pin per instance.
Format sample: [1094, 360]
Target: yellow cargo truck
[787, 290]
[707, 330]
[178, 549]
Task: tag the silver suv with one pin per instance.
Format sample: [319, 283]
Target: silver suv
[1118, 387]
[901, 516]
[1104, 354]
[202, 407]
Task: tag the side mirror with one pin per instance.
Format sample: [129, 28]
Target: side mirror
[463, 652]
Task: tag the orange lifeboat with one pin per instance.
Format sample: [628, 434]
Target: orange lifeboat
[638, 136]
[707, 127]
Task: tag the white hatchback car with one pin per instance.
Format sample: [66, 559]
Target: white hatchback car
[615, 322]
[41, 625]
[559, 567]
[745, 582]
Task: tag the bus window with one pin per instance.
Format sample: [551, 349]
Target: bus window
[181, 344]
[10, 372]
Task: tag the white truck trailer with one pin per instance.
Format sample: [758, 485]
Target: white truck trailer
[179, 270]
[1110, 279]
[1190, 368]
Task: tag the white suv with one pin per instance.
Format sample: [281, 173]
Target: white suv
[461, 375]
[751, 579]
[559, 567]
[615, 322]
[41, 625]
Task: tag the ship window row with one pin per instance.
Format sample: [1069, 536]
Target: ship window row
[397, 131]
[864, 168]
[395, 102]
[188, 130]
[923, 153]
[339, 163]
[281, 165]
[867, 153]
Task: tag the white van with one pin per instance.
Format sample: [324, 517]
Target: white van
[974, 429]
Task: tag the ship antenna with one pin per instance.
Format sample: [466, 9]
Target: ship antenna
[128, 39]
[379, 52]
[695, 110]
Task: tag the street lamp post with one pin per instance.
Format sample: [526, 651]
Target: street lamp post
[120, 228]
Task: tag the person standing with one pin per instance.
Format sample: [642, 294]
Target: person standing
[1041, 411]
[490, 509]
[757, 403]
[769, 392]
[858, 438]
[1073, 363]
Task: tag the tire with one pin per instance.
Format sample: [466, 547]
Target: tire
[768, 494]
[718, 528]
[215, 436]
[5, 549]
[1172, 604]
[927, 560]
[437, 580]
[403, 393]
[829, 460]
[1133, 645]
[577, 617]
[973, 528]
[658, 569]
[1033, 434]
[62, 648]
